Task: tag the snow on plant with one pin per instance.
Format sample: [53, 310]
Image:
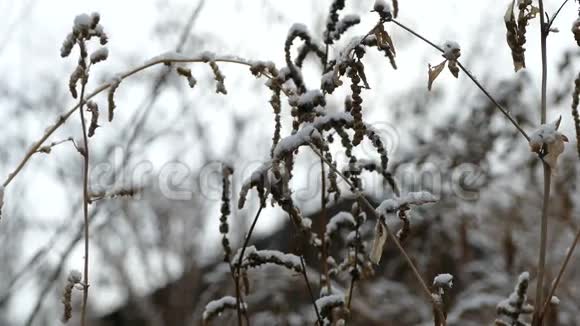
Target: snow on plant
[549, 143]
[216, 307]
[314, 128]
[398, 204]
[516, 304]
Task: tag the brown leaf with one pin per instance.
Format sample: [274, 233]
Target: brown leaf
[434, 72]
[378, 243]
[361, 73]
[384, 39]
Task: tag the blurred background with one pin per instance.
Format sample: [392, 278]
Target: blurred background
[156, 257]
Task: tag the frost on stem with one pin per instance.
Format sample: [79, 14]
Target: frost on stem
[99, 55]
[383, 9]
[307, 101]
[296, 31]
[440, 283]
[391, 206]
[332, 20]
[74, 278]
[451, 53]
[516, 304]
[85, 27]
[216, 307]
[344, 24]
[255, 258]
[342, 219]
[548, 142]
[326, 304]
[306, 135]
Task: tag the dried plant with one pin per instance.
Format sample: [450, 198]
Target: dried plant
[347, 249]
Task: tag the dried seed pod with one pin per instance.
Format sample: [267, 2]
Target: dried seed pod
[332, 20]
[219, 77]
[516, 30]
[356, 111]
[344, 24]
[575, 97]
[73, 279]
[186, 72]
[99, 55]
[227, 171]
[296, 31]
[76, 75]
[111, 95]
[93, 108]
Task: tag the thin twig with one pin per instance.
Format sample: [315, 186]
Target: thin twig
[473, 79]
[355, 273]
[85, 155]
[547, 174]
[556, 15]
[310, 290]
[238, 267]
[324, 218]
[64, 117]
[560, 274]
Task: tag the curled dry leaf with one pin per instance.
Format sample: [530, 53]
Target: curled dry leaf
[378, 242]
[549, 142]
[434, 72]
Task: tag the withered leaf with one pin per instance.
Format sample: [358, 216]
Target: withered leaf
[384, 39]
[452, 65]
[378, 242]
[434, 72]
[361, 72]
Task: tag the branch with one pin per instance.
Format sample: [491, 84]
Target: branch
[473, 79]
[240, 258]
[64, 117]
[320, 323]
[85, 187]
[537, 320]
[560, 273]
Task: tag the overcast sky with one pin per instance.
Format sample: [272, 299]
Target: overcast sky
[31, 34]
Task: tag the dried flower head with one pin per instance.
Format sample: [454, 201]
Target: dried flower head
[73, 279]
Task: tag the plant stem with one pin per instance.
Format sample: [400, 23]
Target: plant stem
[239, 265]
[310, 290]
[85, 154]
[355, 273]
[547, 175]
[324, 219]
[560, 274]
